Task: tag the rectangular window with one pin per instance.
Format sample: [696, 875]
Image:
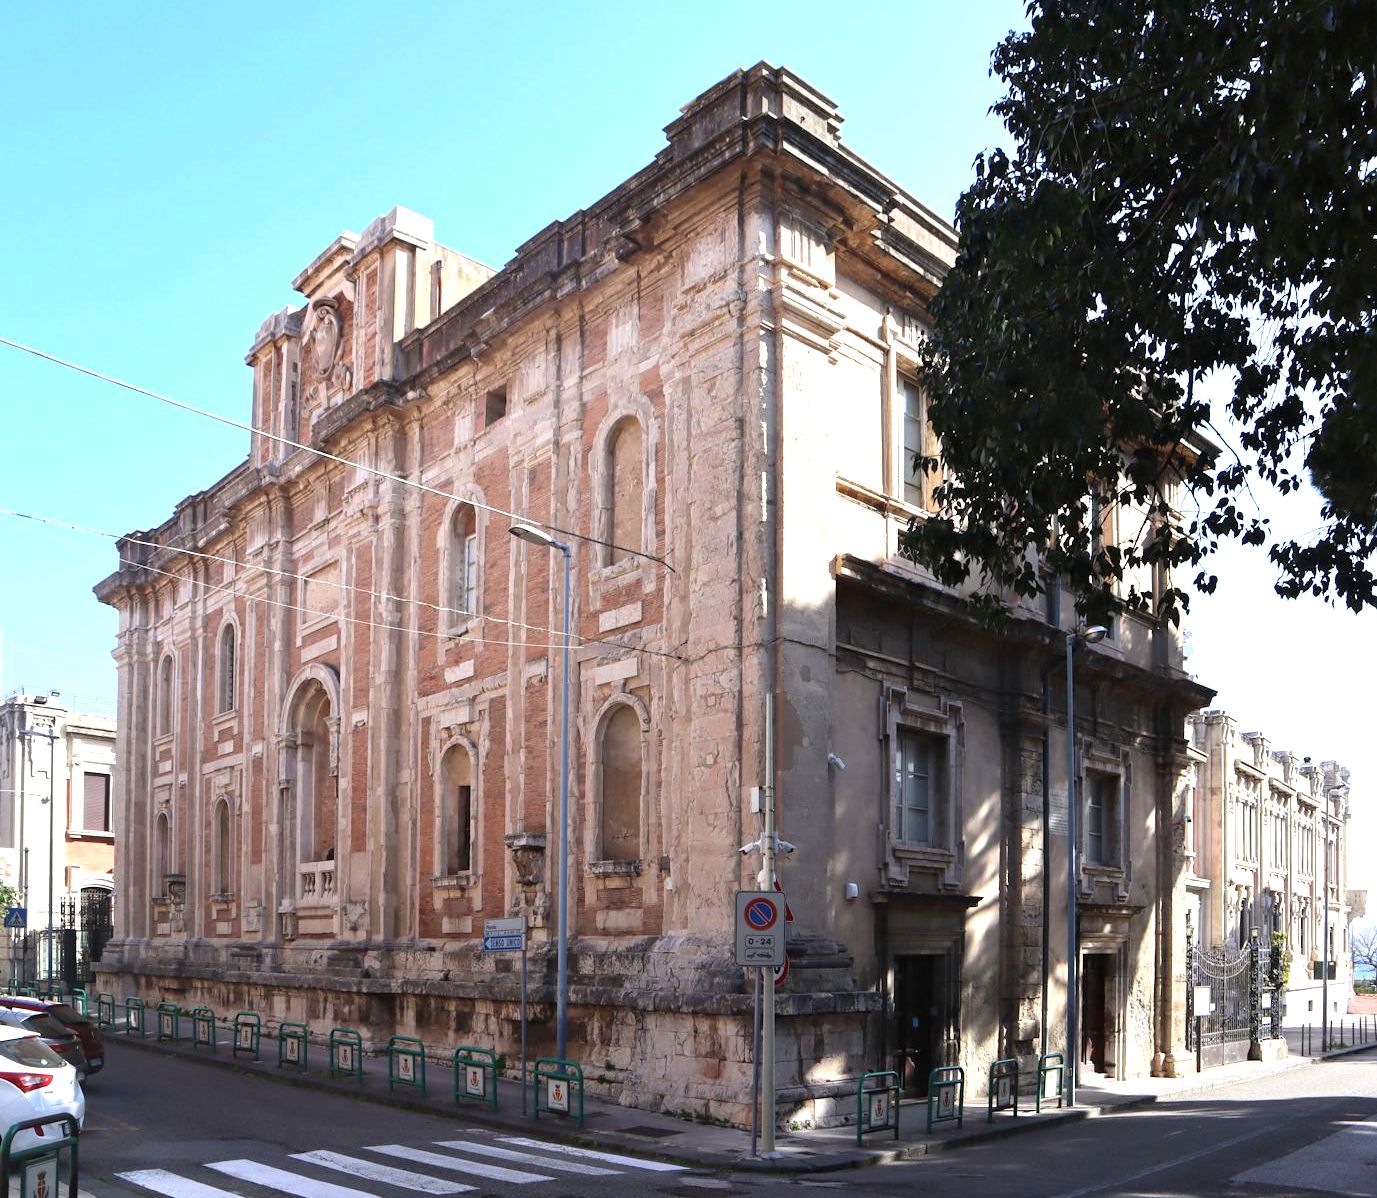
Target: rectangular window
[95, 807]
[463, 830]
[1101, 819]
[918, 786]
[469, 598]
[914, 424]
[494, 406]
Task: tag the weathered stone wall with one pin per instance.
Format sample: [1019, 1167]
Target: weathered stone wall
[751, 301]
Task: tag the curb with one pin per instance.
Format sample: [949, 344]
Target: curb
[837, 1160]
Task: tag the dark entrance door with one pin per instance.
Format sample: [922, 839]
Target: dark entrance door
[922, 1015]
[1094, 986]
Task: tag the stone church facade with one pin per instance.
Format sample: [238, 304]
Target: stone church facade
[340, 678]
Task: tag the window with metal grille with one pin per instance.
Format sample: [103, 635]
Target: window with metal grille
[918, 785]
[1101, 819]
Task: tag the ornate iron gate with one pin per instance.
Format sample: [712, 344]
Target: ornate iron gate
[87, 926]
[1224, 1029]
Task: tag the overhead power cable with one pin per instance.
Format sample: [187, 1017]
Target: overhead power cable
[329, 615]
[376, 595]
[322, 453]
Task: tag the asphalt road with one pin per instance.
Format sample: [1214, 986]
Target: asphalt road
[159, 1126]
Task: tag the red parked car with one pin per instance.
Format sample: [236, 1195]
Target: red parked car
[73, 1023]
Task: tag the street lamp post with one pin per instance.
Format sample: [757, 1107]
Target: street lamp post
[50, 734]
[535, 536]
[1074, 639]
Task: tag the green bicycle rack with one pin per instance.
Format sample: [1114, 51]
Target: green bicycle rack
[135, 1006]
[248, 1031]
[346, 1053]
[203, 1028]
[877, 1104]
[79, 1001]
[946, 1095]
[406, 1062]
[475, 1074]
[1003, 1092]
[556, 1083]
[1049, 1063]
[105, 1010]
[39, 1167]
[169, 1021]
[293, 1040]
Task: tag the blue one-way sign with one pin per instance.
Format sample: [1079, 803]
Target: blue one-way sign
[504, 935]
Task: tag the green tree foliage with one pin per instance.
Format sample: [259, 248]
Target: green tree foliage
[1192, 192]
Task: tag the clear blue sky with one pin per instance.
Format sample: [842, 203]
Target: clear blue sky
[170, 168]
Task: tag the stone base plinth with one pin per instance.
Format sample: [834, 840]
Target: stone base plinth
[661, 1024]
[1268, 1050]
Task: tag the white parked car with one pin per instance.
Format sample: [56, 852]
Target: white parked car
[35, 1082]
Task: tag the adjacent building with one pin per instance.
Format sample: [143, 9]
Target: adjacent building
[340, 677]
[1268, 851]
[57, 843]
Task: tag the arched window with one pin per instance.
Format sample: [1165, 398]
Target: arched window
[621, 785]
[162, 852]
[463, 565]
[319, 783]
[456, 831]
[165, 696]
[222, 846]
[227, 690]
[626, 488]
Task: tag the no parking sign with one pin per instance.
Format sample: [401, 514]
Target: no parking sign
[759, 928]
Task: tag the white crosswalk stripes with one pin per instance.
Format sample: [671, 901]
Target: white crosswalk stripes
[511, 1160]
[524, 1158]
[610, 1158]
[288, 1183]
[387, 1174]
[160, 1181]
[458, 1164]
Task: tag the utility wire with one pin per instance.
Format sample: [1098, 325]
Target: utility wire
[330, 615]
[396, 478]
[343, 586]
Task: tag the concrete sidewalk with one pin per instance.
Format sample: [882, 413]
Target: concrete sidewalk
[607, 1125]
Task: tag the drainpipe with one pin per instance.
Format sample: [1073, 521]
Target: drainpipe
[1046, 823]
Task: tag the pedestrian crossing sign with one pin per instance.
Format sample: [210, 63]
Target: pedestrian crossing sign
[473, 1081]
[557, 1095]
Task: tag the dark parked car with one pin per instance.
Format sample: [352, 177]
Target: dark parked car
[66, 1014]
[55, 1034]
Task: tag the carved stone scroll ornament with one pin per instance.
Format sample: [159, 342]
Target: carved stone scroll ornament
[325, 344]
